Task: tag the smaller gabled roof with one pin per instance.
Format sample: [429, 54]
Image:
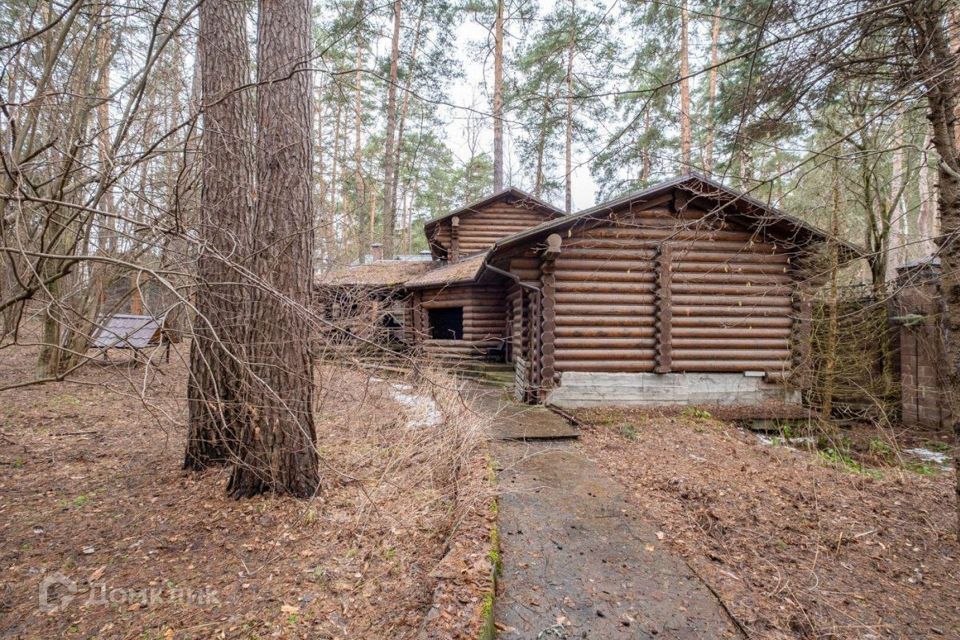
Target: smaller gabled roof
[759, 213]
[466, 270]
[128, 331]
[494, 197]
[380, 273]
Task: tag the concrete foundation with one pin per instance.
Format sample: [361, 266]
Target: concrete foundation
[579, 389]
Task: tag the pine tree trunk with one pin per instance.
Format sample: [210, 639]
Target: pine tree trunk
[364, 238]
[216, 385]
[685, 134]
[568, 156]
[541, 147]
[498, 99]
[389, 195]
[277, 449]
[402, 120]
[926, 223]
[712, 90]
[933, 55]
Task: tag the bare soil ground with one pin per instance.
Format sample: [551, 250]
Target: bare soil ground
[798, 544]
[91, 489]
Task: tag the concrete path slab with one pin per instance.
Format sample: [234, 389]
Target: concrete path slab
[516, 421]
[578, 560]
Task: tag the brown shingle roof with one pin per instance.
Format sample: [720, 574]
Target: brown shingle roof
[465, 270]
[381, 273]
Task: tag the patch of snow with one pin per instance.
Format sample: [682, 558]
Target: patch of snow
[781, 441]
[422, 410]
[935, 457]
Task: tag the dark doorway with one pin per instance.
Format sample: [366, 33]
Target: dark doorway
[446, 324]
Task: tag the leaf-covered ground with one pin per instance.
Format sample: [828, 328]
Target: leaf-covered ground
[91, 490]
[797, 543]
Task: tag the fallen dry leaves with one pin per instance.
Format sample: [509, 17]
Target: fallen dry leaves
[90, 488]
[794, 547]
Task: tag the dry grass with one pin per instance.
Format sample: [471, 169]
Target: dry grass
[90, 487]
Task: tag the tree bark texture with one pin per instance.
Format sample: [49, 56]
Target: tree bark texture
[215, 388]
[278, 445]
[937, 63]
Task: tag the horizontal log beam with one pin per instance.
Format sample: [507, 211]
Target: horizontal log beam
[732, 366]
[605, 366]
[606, 332]
[721, 343]
[604, 354]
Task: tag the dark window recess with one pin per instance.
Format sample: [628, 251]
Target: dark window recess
[446, 324]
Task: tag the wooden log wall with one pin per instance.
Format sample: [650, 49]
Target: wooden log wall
[722, 295]
[484, 320]
[478, 230]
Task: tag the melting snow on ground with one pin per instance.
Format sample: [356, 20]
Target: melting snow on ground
[422, 410]
[781, 441]
[935, 457]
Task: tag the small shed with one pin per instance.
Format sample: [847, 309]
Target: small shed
[129, 331]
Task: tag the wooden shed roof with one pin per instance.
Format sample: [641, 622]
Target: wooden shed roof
[730, 202]
[128, 331]
[466, 270]
[380, 273]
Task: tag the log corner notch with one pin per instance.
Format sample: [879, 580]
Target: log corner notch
[663, 320]
[549, 314]
[455, 239]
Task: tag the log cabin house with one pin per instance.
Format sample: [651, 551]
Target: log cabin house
[684, 293]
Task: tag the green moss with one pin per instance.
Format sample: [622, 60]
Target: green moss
[837, 458]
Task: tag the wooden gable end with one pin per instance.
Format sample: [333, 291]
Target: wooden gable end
[476, 230]
[670, 287]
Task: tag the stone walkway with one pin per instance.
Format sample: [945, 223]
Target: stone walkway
[578, 560]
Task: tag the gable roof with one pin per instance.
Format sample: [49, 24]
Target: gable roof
[503, 194]
[466, 270]
[754, 213]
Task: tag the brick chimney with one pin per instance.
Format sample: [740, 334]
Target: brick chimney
[376, 251]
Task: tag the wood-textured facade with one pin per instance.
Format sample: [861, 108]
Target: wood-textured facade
[687, 281]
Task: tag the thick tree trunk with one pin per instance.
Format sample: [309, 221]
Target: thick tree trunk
[216, 385]
[937, 64]
[389, 195]
[277, 449]
[498, 98]
[685, 134]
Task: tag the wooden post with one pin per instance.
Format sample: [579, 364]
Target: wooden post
[663, 324]
[136, 300]
[455, 239]
[549, 317]
[418, 318]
